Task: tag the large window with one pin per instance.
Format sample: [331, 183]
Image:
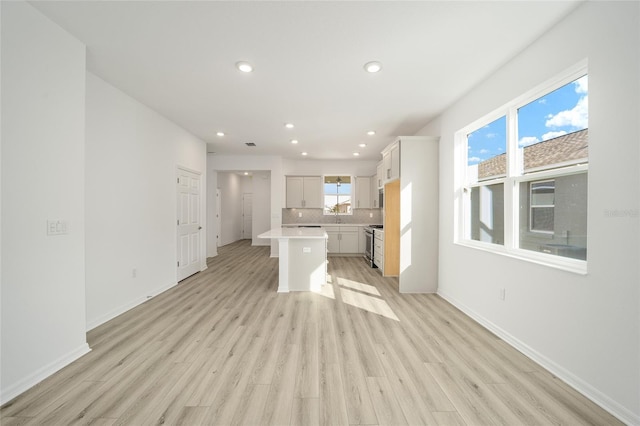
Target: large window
[337, 195]
[523, 174]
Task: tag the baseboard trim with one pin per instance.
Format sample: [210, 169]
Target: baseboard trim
[39, 375]
[614, 408]
[127, 306]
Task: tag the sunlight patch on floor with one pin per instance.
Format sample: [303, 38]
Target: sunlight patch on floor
[366, 288]
[368, 303]
[326, 291]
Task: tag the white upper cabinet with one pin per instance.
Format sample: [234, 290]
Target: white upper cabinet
[380, 173]
[375, 199]
[391, 162]
[304, 192]
[363, 192]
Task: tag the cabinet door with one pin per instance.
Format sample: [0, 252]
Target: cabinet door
[294, 192]
[363, 192]
[380, 175]
[386, 161]
[333, 242]
[374, 192]
[395, 162]
[312, 192]
[348, 241]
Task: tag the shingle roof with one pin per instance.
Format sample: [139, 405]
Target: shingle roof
[571, 147]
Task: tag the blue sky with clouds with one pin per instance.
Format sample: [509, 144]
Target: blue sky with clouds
[565, 110]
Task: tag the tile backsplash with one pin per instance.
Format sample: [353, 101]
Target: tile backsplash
[316, 216]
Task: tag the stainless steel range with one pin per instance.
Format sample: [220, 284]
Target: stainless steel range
[369, 232]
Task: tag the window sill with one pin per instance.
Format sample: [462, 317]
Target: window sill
[575, 266]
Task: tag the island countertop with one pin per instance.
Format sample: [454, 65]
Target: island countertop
[295, 233]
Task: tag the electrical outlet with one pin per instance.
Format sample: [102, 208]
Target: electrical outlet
[503, 293]
[370, 214]
[57, 227]
[134, 273]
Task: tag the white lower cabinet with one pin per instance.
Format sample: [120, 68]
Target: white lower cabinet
[343, 239]
[378, 250]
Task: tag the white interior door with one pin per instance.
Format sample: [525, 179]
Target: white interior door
[247, 215]
[188, 223]
[218, 216]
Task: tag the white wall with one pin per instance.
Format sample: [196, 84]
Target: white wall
[43, 106]
[330, 167]
[249, 163]
[261, 207]
[584, 328]
[132, 156]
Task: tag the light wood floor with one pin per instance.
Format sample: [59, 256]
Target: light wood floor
[224, 348]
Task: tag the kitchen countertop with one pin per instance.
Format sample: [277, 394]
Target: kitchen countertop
[295, 233]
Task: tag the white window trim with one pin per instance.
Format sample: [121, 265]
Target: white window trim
[351, 195]
[539, 206]
[511, 182]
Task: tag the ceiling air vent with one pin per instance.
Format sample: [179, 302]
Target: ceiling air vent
[250, 144]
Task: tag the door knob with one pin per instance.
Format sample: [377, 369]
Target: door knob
[199, 228]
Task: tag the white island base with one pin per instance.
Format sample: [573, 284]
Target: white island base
[303, 258]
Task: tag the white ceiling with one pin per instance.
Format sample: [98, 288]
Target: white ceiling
[179, 59]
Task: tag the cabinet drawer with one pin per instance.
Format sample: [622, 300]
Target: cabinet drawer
[348, 228]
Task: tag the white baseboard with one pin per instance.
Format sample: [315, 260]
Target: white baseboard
[127, 306]
[39, 375]
[613, 407]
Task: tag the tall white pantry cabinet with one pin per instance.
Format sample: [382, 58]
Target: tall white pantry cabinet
[419, 194]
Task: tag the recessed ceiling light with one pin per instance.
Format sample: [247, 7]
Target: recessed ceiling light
[371, 132]
[305, 153]
[362, 145]
[288, 126]
[373, 66]
[355, 154]
[244, 66]
[294, 141]
[220, 133]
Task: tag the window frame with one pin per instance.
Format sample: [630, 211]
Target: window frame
[541, 206]
[514, 176]
[337, 195]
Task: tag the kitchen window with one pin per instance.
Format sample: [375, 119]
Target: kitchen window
[523, 176]
[337, 195]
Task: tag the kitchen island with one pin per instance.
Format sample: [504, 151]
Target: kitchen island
[303, 258]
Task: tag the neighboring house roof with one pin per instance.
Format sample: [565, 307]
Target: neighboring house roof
[563, 149]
